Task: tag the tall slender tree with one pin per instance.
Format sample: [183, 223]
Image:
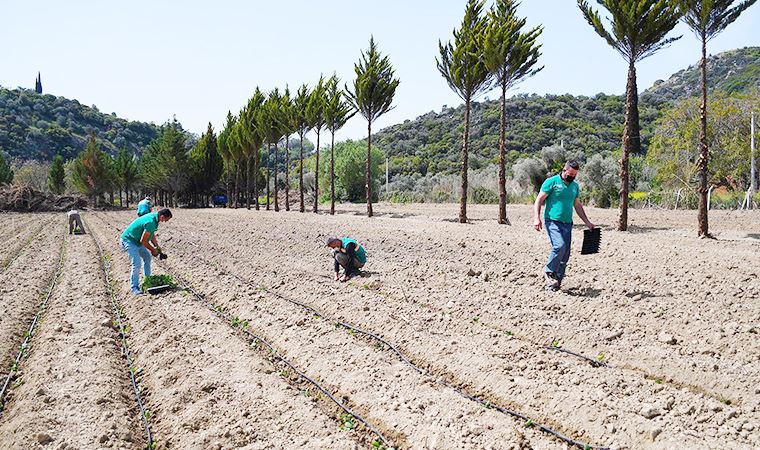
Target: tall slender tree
[272, 128]
[511, 56]
[316, 117]
[707, 18]
[57, 177]
[290, 126]
[126, 170]
[462, 65]
[91, 171]
[252, 138]
[638, 30]
[206, 165]
[303, 126]
[372, 96]
[337, 113]
[6, 173]
[226, 154]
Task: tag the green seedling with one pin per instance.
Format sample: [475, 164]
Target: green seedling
[658, 380]
[147, 414]
[158, 280]
[726, 401]
[18, 382]
[556, 343]
[379, 346]
[352, 332]
[152, 446]
[475, 319]
[600, 357]
[529, 423]
[244, 325]
[508, 333]
[348, 422]
[285, 373]
[14, 367]
[365, 286]
[235, 322]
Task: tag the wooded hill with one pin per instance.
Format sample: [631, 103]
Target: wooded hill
[432, 142]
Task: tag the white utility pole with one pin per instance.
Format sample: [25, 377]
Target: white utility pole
[387, 178]
[753, 171]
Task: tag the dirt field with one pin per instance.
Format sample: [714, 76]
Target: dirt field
[653, 343]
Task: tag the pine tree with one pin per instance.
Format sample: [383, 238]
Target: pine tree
[707, 18]
[510, 56]
[92, 172]
[372, 96]
[6, 173]
[57, 176]
[315, 113]
[337, 113]
[463, 66]
[638, 30]
[252, 136]
[301, 105]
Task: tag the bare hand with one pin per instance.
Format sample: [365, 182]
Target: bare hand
[337, 276]
[590, 225]
[537, 224]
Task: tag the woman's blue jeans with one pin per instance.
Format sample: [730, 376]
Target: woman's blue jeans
[560, 236]
[137, 253]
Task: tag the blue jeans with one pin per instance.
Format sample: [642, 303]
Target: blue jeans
[560, 236]
[137, 252]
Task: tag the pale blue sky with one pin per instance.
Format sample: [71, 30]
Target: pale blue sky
[150, 60]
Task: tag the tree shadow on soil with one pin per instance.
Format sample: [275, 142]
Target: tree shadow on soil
[587, 292]
[376, 214]
[638, 229]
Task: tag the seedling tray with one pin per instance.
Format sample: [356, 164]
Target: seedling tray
[591, 241]
[155, 290]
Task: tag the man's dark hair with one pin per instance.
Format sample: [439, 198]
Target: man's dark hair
[573, 164]
[165, 212]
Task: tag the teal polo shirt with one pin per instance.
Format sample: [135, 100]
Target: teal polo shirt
[135, 230]
[560, 198]
[361, 255]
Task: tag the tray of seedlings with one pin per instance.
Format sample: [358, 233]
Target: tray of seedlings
[156, 284]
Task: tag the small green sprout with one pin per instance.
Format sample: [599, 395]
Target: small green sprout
[529, 423]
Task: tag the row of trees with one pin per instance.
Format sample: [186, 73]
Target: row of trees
[255, 133]
[492, 50]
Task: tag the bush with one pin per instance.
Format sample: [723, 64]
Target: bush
[484, 196]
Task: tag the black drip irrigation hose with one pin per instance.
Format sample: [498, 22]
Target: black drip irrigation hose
[422, 371]
[593, 362]
[402, 357]
[28, 335]
[256, 338]
[124, 346]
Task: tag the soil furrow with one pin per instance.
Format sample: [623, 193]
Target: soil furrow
[205, 387]
[75, 392]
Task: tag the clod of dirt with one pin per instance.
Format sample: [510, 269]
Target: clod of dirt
[650, 411]
[666, 338]
[44, 438]
[613, 336]
[472, 273]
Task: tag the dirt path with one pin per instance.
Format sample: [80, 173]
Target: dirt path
[22, 285]
[582, 321]
[75, 391]
[205, 387]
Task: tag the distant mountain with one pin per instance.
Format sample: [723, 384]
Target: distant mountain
[432, 142]
[734, 71]
[39, 126]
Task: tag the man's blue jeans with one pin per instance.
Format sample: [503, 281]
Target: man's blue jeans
[560, 236]
[137, 252]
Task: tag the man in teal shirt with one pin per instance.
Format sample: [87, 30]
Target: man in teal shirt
[348, 254]
[561, 195]
[139, 241]
[144, 206]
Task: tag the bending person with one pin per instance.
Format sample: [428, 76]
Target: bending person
[348, 254]
[139, 241]
[75, 222]
[144, 206]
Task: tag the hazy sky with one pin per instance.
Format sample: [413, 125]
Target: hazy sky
[150, 60]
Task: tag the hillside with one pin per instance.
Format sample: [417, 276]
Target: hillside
[734, 71]
[432, 142]
[38, 126]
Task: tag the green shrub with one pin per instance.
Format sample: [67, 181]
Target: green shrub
[484, 196]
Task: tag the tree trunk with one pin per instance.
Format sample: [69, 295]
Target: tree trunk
[368, 180]
[287, 173]
[466, 139]
[332, 174]
[631, 142]
[248, 183]
[237, 184]
[502, 158]
[256, 165]
[316, 178]
[121, 201]
[276, 189]
[704, 151]
[300, 175]
[269, 174]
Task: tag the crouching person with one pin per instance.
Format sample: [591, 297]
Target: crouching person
[348, 254]
[75, 222]
[139, 241]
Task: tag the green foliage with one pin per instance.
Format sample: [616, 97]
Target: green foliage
[126, 171]
[707, 18]
[35, 126]
[6, 173]
[158, 280]
[92, 172]
[374, 86]
[57, 176]
[350, 160]
[206, 163]
[165, 163]
[675, 147]
[599, 177]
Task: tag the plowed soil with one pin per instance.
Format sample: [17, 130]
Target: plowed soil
[652, 343]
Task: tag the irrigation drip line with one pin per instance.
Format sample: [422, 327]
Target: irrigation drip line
[30, 332]
[256, 338]
[417, 368]
[124, 346]
[403, 358]
[593, 362]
